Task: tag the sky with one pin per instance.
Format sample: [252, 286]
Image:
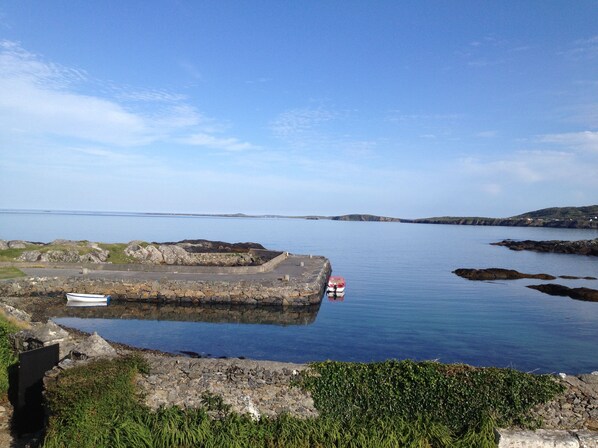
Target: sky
[405, 108]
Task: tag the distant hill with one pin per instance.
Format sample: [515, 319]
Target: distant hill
[588, 212]
[560, 217]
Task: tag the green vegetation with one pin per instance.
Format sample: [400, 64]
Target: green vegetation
[7, 355]
[117, 253]
[117, 250]
[393, 403]
[13, 254]
[88, 403]
[459, 397]
[10, 272]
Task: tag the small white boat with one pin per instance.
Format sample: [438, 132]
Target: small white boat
[87, 298]
[336, 285]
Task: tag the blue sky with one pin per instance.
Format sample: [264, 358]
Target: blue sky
[399, 108]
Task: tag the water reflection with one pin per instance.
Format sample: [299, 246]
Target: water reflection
[214, 313]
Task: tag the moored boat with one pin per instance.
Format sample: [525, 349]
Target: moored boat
[87, 298]
[336, 285]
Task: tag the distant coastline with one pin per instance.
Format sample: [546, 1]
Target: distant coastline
[556, 217]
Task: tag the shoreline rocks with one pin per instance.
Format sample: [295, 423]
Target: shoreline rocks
[584, 294]
[580, 247]
[497, 274]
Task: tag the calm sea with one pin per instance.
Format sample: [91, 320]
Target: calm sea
[402, 299]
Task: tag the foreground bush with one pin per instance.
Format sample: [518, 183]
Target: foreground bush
[7, 356]
[389, 404]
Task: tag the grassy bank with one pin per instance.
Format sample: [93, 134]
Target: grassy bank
[116, 250]
[7, 356]
[392, 403]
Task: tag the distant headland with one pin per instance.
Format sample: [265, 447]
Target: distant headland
[559, 217]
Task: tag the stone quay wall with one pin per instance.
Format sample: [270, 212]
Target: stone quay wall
[296, 291]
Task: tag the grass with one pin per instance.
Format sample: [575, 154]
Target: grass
[7, 356]
[390, 404]
[117, 251]
[10, 272]
[13, 254]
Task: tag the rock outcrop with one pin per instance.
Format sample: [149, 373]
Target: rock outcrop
[580, 247]
[61, 251]
[497, 274]
[186, 254]
[92, 347]
[585, 294]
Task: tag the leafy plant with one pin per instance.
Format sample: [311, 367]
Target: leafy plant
[460, 397]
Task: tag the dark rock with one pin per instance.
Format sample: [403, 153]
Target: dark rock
[497, 274]
[581, 247]
[585, 294]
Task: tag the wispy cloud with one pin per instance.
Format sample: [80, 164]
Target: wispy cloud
[211, 141]
[587, 140]
[547, 167]
[43, 98]
[583, 48]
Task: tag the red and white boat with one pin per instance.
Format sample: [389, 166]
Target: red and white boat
[336, 285]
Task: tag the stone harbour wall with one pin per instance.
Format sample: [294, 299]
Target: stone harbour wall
[293, 292]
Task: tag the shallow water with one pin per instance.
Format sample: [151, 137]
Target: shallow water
[402, 299]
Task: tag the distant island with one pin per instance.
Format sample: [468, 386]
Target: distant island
[559, 217]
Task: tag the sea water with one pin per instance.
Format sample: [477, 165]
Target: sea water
[402, 299]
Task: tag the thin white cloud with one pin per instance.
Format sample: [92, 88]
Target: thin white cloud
[566, 168]
[41, 98]
[587, 140]
[210, 141]
[583, 48]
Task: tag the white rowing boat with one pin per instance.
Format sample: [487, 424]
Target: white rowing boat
[87, 298]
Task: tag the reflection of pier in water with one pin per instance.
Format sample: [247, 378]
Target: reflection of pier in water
[214, 313]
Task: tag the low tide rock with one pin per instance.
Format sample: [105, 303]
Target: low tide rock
[497, 274]
[585, 294]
